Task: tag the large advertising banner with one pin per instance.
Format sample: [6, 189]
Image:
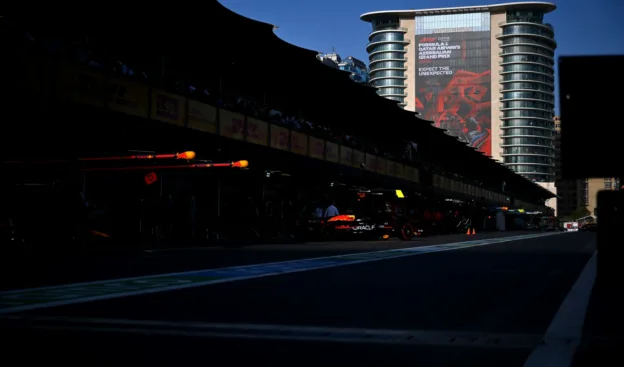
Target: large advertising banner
[202, 117]
[453, 77]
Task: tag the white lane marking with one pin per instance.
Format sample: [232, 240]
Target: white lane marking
[54, 296]
[271, 246]
[563, 336]
[454, 246]
[284, 332]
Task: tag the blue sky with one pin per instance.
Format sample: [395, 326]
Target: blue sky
[582, 27]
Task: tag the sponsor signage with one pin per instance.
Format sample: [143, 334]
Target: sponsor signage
[257, 131]
[346, 155]
[280, 137]
[331, 152]
[202, 117]
[409, 173]
[317, 148]
[128, 97]
[370, 161]
[359, 158]
[231, 124]
[437, 183]
[167, 107]
[399, 170]
[391, 170]
[381, 166]
[299, 143]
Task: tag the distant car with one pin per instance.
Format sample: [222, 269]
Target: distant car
[590, 227]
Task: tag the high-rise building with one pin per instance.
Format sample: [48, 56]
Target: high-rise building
[330, 60]
[356, 68]
[592, 186]
[483, 73]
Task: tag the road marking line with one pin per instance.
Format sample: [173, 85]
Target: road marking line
[281, 332]
[563, 336]
[54, 296]
[266, 246]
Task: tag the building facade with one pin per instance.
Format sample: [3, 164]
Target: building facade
[569, 191]
[329, 60]
[483, 73]
[577, 194]
[592, 186]
[356, 68]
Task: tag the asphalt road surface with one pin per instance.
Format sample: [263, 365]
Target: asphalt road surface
[508, 299]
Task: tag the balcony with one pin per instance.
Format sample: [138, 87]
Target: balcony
[548, 38]
[389, 28]
[381, 93]
[545, 25]
[405, 42]
[397, 85]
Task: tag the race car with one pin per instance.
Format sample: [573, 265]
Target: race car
[409, 230]
[348, 227]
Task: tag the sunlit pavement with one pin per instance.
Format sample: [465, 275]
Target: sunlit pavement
[485, 305]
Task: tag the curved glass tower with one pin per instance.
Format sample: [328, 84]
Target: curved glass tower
[386, 54]
[485, 74]
[527, 79]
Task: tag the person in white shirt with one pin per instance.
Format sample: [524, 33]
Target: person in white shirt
[331, 211]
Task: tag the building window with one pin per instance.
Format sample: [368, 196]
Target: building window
[607, 184]
[586, 194]
[532, 16]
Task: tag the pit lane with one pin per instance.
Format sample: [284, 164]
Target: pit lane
[503, 293]
[54, 270]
